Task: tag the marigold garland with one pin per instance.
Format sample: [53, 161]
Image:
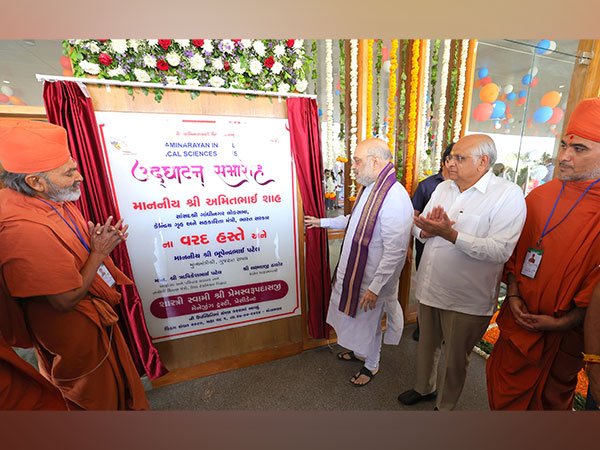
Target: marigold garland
[464, 51]
[412, 115]
[369, 88]
[391, 115]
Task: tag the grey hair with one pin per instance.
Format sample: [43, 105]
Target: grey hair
[16, 182]
[486, 146]
[380, 150]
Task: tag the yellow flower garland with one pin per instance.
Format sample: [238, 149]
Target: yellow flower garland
[412, 115]
[391, 118]
[370, 88]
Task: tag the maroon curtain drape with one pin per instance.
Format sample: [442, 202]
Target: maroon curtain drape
[68, 106]
[306, 147]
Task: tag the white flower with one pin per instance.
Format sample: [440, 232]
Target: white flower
[173, 59]
[279, 50]
[197, 62]
[277, 67]
[192, 82]
[208, 46]
[119, 45]
[216, 81]
[92, 47]
[226, 46]
[141, 75]
[183, 43]
[217, 63]
[246, 43]
[152, 42]
[301, 85]
[116, 72]
[75, 41]
[172, 80]
[284, 88]
[149, 61]
[268, 86]
[237, 67]
[255, 67]
[88, 67]
[298, 43]
[134, 44]
[259, 48]
[297, 64]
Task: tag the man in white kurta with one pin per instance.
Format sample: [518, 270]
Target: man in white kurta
[362, 334]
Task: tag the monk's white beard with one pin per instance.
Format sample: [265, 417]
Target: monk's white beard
[69, 194]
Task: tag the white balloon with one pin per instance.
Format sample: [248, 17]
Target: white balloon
[552, 46]
[497, 125]
[386, 66]
[508, 88]
[6, 90]
[534, 71]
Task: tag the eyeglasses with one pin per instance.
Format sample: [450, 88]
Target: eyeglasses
[358, 161]
[459, 158]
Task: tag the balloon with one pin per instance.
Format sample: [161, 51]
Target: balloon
[511, 96]
[507, 111]
[3, 98]
[522, 93]
[482, 73]
[483, 112]
[385, 54]
[65, 62]
[534, 82]
[551, 99]
[477, 84]
[320, 112]
[502, 97]
[508, 88]
[499, 109]
[6, 90]
[552, 47]
[486, 80]
[489, 93]
[542, 46]
[557, 115]
[526, 80]
[521, 101]
[534, 71]
[497, 125]
[542, 114]
[16, 100]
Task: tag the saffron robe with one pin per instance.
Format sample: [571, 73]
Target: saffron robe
[538, 370]
[81, 351]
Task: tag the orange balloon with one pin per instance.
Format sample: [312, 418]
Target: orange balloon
[65, 62]
[489, 93]
[3, 98]
[15, 100]
[67, 73]
[551, 99]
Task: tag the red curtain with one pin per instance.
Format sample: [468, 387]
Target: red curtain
[68, 106]
[306, 147]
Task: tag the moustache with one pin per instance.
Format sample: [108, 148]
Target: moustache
[565, 166]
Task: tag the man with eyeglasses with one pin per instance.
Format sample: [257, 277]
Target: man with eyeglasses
[537, 357]
[470, 227]
[365, 283]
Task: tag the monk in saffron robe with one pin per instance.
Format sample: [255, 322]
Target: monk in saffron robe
[56, 266]
[534, 364]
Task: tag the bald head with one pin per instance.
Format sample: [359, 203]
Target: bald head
[375, 147]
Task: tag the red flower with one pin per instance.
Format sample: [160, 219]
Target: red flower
[161, 64]
[290, 43]
[103, 40]
[164, 43]
[226, 65]
[269, 62]
[197, 42]
[105, 59]
[236, 41]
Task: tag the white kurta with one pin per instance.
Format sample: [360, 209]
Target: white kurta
[387, 252]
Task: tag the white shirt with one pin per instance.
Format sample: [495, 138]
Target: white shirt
[465, 276]
[387, 251]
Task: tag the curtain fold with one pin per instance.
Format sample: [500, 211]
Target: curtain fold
[68, 106]
[306, 148]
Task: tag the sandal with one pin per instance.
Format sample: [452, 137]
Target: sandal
[366, 372]
[347, 355]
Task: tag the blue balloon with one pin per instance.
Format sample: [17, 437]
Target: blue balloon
[542, 114]
[483, 72]
[522, 93]
[511, 96]
[542, 46]
[526, 80]
[499, 109]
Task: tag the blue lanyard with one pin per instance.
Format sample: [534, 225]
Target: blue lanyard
[73, 226]
[545, 230]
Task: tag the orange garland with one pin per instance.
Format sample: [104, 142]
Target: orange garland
[412, 115]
